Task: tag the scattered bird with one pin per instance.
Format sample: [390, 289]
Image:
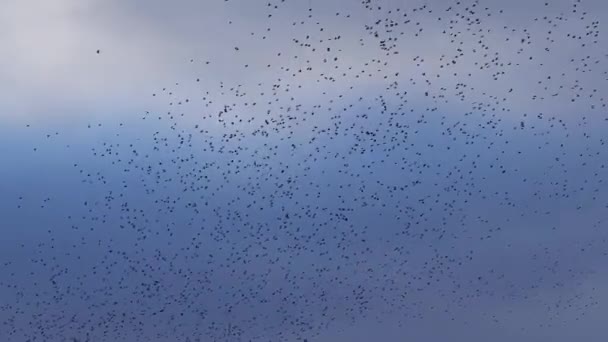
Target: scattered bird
[356, 177]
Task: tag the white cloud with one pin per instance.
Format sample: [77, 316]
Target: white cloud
[50, 65]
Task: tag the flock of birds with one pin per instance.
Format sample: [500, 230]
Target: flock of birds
[357, 182]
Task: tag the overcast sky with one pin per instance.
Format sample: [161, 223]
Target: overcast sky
[289, 170]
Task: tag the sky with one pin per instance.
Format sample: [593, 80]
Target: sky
[232, 170]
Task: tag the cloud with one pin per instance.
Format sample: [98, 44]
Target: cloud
[53, 70]
[52, 67]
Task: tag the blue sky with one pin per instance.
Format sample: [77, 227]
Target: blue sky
[318, 170]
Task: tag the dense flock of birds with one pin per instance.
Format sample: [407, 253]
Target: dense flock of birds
[365, 173]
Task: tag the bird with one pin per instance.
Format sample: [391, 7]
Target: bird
[391, 161]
